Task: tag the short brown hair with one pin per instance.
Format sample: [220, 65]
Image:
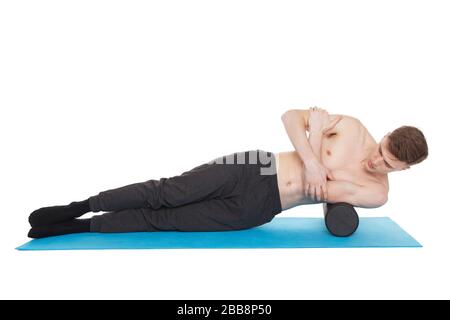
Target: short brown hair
[408, 144]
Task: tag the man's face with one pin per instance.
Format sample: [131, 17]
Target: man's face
[381, 161]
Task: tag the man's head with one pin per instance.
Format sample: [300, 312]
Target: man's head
[398, 150]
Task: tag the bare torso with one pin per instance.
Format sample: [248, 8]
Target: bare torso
[343, 153]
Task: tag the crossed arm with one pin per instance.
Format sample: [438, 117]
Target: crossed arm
[370, 195]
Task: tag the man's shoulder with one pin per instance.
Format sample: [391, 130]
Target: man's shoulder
[348, 123]
[347, 118]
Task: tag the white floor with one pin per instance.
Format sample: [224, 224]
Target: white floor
[227, 274]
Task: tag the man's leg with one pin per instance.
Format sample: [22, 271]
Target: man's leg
[207, 181]
[204, 182]
[241, 198]
[66, 227]
[50, 215]
[208, 215]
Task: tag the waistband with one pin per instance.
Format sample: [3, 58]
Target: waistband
[268, 167]
[275, 192]
[266, 164]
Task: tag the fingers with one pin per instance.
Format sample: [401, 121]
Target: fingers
[324, 193]
[318, 193]
[332, 123]
[311, 191]
[335, 121]
[315, 193]
[315, 108]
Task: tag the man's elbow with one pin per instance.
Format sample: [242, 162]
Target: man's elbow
[375, 200]
[385, 199]
[295, 115]
[380, 200]
[287, 114]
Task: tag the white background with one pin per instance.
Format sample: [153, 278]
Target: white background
[99, 94]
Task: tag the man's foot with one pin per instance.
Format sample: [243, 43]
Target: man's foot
[52, 215]
[67, 227]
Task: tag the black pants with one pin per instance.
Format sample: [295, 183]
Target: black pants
[232, 192]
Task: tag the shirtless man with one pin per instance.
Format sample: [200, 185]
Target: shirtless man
[339, 162]
[342, 161]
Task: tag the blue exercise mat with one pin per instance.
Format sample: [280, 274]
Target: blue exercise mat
[282, 232]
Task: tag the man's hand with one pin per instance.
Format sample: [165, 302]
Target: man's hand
[321, 122]
[316, 175]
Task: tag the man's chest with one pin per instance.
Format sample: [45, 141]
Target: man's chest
[339, 151]
[346, 156]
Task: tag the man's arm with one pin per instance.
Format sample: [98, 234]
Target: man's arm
[315, 140]
[295, 122]
[315, 136]
[364, 196]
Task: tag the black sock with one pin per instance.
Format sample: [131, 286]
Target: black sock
[72, 226]
[52, 215]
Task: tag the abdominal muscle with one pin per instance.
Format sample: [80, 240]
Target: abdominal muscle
[290, 178]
